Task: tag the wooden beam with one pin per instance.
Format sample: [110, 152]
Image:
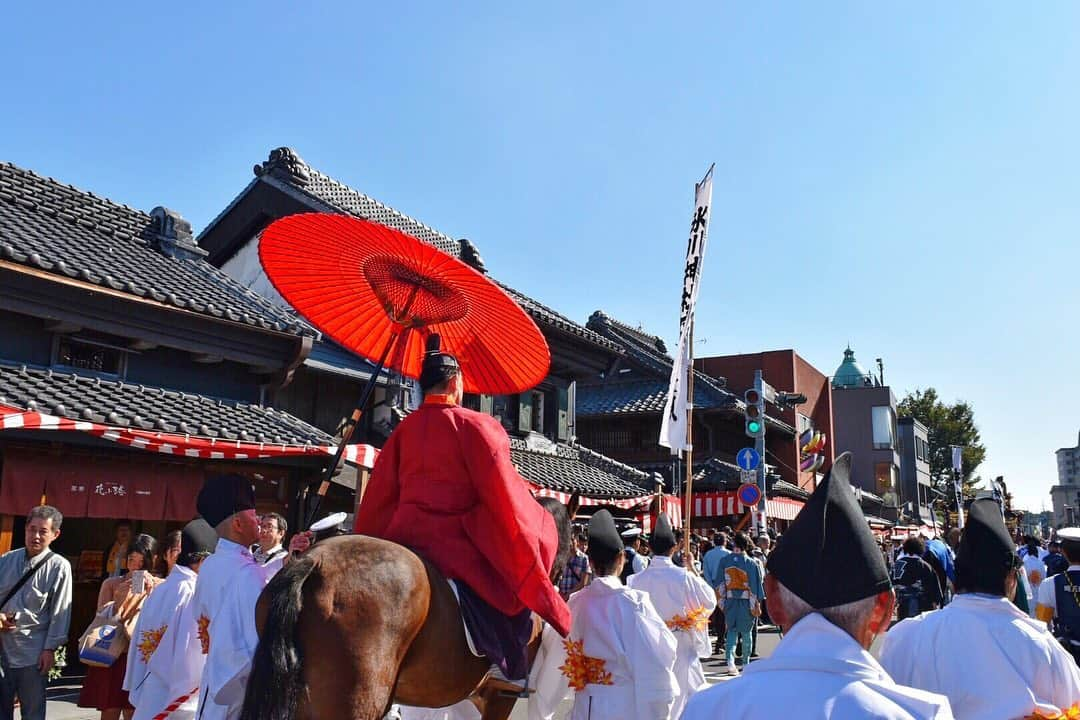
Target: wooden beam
[40, 294]
[59, 326]
[7, 527]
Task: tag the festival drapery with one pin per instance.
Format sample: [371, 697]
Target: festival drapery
[190, 446]
[643, 505]
[673, 424]
[719, 504]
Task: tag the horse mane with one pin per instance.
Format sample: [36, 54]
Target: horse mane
[276, 682]
[562, 525]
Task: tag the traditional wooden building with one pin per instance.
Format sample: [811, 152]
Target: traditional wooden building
[619, 413]
[130, 368]
[541, 422]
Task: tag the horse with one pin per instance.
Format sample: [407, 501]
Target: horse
[358, 623]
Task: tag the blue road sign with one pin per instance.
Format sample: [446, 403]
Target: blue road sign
[749, 495]
[748, 458]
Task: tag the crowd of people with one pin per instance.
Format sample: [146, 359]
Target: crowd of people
[972, 628]
[159, 655]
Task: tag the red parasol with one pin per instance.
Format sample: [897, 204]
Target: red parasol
[364, 285]
[368, 287]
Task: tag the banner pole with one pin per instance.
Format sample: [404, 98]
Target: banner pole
[688, 562]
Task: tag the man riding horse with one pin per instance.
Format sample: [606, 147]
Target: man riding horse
[444, 486]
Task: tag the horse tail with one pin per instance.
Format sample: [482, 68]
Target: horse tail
[276, 681]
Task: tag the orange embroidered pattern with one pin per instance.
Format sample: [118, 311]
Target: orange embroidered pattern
[1073, 713]
[696, 619]
[582, 670]
[204, 634]
[737, 580]
[150, 641]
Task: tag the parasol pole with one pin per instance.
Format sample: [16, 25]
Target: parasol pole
[687, 561]
[351, 425]
[354, 419]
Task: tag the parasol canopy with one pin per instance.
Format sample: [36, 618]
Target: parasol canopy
[362, 284]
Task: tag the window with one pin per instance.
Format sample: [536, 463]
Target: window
[922, 449]
[538, 412]
[82, 354]
[884, 421]
[885, 478]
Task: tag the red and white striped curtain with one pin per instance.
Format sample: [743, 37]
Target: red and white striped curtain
[190, 446]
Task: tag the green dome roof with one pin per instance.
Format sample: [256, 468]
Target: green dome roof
[849, 374]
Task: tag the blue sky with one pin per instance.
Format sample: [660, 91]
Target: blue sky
[901, 178]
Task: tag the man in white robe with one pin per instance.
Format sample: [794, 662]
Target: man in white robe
[619, 656]
[165, 661]
[685, 602]
[989, 658]
[829, 590]
[227, 503]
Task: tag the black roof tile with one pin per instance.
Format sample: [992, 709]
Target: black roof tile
[645, 390]
[129, 405]
[65, 231]
[576, 469]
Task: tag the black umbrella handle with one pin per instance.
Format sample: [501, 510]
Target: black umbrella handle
[351, 425]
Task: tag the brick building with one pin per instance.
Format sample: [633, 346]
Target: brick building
[785, 370]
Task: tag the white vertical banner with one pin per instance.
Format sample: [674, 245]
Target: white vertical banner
[958, 469]
[673, 425]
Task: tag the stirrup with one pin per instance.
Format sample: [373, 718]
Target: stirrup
[507, 688]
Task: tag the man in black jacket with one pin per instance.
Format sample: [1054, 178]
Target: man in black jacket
[916, 583]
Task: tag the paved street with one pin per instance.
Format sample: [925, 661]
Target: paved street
[64, 693]
[715, 672]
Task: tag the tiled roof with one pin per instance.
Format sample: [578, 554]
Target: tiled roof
[121, 404]
[50, 226]
[645, 395]
[288, 172]
[573, 468]
[716, 474]
[644, 389]
[650, 352]
[547, 316]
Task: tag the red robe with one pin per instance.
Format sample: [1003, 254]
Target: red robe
[444, 486]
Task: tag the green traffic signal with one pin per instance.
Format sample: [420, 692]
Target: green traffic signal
[753, 426]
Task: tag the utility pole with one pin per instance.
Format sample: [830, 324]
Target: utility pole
[759, 445]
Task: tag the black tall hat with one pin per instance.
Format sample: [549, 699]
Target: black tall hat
[197, 536]
[225, 495]
[435, 362]
[828, 556]
[986, 551]
[663, 537]
[604, 541]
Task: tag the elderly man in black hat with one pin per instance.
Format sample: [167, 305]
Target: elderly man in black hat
[989, 658]
[828, 589]
[227, 504]
[685, 602]
[169, 661]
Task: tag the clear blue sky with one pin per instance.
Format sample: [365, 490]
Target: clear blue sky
[904, 178]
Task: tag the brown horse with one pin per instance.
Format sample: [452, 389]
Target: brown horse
[358, 623]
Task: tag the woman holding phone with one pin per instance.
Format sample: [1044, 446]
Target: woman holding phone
[103, 688]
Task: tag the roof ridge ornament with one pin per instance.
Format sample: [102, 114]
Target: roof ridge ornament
[286, 165]
[170, 233]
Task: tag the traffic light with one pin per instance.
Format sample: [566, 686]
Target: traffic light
[755, 413]
[811, 444]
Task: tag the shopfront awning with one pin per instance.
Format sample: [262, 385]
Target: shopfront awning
[181, 445]
[643, 505]
[719, 504]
